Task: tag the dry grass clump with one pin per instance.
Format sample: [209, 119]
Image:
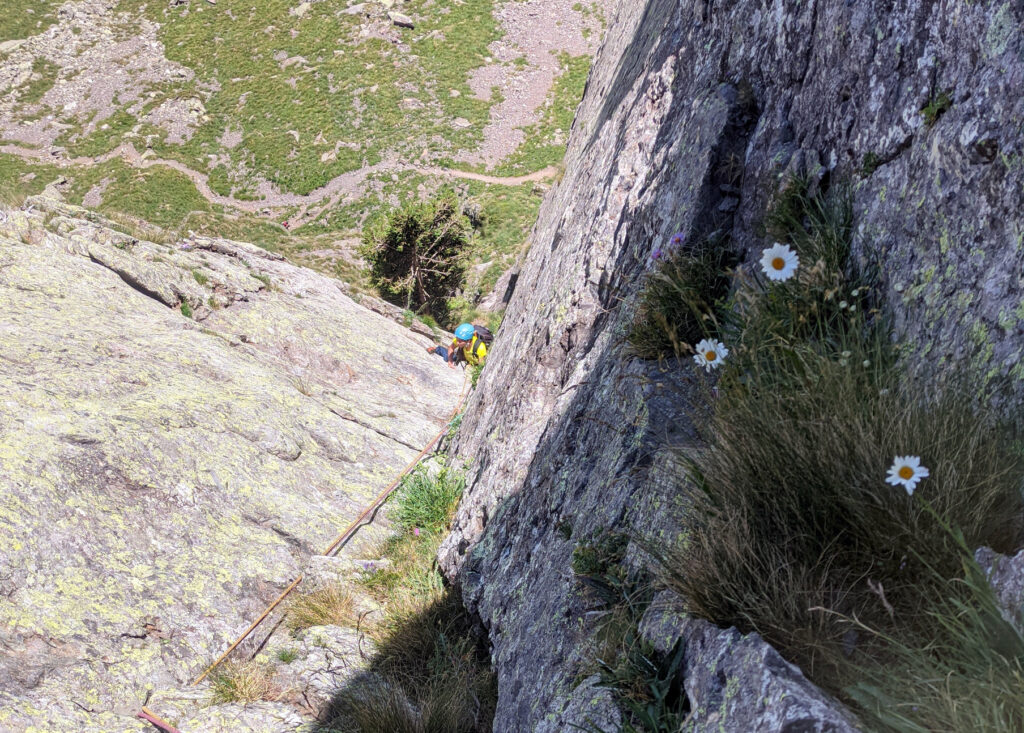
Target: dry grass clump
[328, 606]
[243, 682]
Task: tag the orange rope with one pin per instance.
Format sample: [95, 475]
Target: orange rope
[344, 536]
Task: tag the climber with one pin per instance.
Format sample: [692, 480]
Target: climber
[469, 345]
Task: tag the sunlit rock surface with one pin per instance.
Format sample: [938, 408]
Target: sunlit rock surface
[162, 477]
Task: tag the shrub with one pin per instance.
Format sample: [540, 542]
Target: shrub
[243, 682]
[417, 254]
[328, 606]
[679, 299]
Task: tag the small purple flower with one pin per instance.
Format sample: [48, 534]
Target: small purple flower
[656, 254]
[677, 239]
[416, 531]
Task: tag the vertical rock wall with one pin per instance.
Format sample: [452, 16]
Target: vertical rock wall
[693, 113]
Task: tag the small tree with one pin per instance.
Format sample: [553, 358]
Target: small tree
[417, 253]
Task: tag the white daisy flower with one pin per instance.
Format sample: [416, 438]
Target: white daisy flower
[710, 354]
[779, 262]
[906, 471]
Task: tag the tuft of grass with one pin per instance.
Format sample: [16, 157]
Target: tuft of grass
[328, 606]
[286, 656]
[200, 277]
[870, 163]
[792, 512]
[243, 682]
[967, 675]
[427, 499]
[186, 309]
[938, 105]
[265, 279]
[679, 300]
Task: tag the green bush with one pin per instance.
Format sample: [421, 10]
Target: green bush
[417, 254]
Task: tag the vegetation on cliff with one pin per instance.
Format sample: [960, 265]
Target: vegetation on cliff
[791, 529]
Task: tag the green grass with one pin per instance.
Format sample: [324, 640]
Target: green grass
[286, 656]
[353, 95]
[101, 140]
[426, 499]
[19, 179]
[938, 105]
[647, 685]
[22, 19]
[966, 676]
[44, 75]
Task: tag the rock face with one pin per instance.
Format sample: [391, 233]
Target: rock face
[162, 477]
[693, 114]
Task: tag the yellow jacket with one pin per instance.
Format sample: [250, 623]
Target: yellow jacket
[474, 354]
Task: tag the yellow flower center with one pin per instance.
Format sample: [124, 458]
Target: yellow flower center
[778, 263]
[710, 355]
[906, 472]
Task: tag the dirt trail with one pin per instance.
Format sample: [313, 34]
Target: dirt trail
[346, 183]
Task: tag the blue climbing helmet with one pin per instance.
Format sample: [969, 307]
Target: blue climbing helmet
[464, 332]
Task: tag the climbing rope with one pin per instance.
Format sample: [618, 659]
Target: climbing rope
[338, 541]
